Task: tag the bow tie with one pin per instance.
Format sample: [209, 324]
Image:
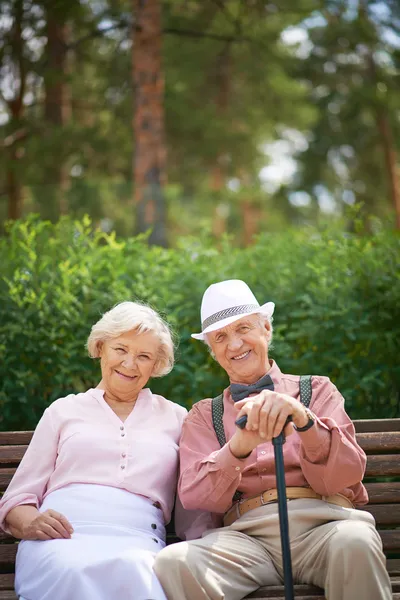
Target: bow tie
[240, 391]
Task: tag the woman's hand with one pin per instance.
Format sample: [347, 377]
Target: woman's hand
[48, 525]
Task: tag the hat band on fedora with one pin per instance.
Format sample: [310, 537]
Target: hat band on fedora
[228, 312]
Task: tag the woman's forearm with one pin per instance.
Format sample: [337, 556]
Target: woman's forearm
[19, 518]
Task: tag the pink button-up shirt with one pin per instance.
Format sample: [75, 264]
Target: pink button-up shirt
[326, 458]
[80, 439]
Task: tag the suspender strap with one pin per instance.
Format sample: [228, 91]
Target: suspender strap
[305, 390]
[217, 410]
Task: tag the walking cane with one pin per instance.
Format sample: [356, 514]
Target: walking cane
[282, 506]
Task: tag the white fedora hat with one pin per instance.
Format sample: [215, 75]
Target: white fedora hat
[226, 302]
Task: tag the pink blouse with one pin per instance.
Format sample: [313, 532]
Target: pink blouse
[80, 439]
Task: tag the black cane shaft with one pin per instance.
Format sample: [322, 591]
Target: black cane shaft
[283, 516]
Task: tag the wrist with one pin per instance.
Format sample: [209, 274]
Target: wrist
[238, 450]
[300, 419]
[310, 421]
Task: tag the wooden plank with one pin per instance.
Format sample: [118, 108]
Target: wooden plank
[6, 474]
[6, 581]
[384, 465]
[11, 438]
[11, 454]
[379, 443]
[384, 514]
[393, 566]
[361, 425]
[383, 493]
[8, 553]
[5, 538]
[390, 539]
[277, 591]
[366, 425]
[8, 595]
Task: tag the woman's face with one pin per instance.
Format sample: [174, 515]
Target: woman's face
[127, 363]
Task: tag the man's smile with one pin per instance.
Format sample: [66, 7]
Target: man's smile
[241, 356]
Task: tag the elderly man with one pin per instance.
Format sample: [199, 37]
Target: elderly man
[333, 545]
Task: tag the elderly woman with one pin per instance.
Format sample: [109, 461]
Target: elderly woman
[96, 486]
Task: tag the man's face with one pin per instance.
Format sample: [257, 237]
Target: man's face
[241, 348]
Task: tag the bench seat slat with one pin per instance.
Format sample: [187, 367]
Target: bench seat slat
[12, 438]
[379, 443]
[373, 425]
[383, 465]
[383, 493]
[384, 514]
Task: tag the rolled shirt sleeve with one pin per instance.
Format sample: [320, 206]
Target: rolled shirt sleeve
[29, 482]
[331, 459]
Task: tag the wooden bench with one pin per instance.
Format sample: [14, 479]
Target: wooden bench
[380, 440]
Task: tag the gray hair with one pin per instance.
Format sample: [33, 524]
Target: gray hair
[128, 316]
[262, 319]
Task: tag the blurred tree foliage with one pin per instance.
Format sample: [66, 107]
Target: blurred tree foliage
[337, 309]
[234, 83]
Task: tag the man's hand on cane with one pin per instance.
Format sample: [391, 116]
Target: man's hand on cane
[267, 413]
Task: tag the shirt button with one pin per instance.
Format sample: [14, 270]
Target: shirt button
[153, 526]
[122, 435]
[123, 455]
[122, 467]
[262, 452]
[237, 468]
[155, 540]
[122, 428]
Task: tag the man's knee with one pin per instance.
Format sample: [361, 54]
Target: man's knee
[170, 557]
[355, 538]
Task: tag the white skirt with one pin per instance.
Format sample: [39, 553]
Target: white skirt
[110, 555]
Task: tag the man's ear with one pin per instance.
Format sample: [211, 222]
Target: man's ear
[267, 326]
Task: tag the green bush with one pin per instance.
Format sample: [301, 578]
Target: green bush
[337, 310]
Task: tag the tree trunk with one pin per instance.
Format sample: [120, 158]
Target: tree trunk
[16, 108]
[384, 129]
[251, 216]
[57, 101]
[149, 164]
[14, 190]
[391, 163]
[218, 175]
[220, 214]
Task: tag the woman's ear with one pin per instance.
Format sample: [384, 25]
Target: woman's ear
[99, 348]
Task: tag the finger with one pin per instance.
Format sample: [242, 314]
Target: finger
[245, 410]
[48, 530]
[41, 536]
[58, 526]
[273, 418]
[289, 429]
[240, 403]
[254, 416]
[62, 519]
[280, 423]
[263, 421]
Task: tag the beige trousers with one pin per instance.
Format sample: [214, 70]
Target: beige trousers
[335, 548]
